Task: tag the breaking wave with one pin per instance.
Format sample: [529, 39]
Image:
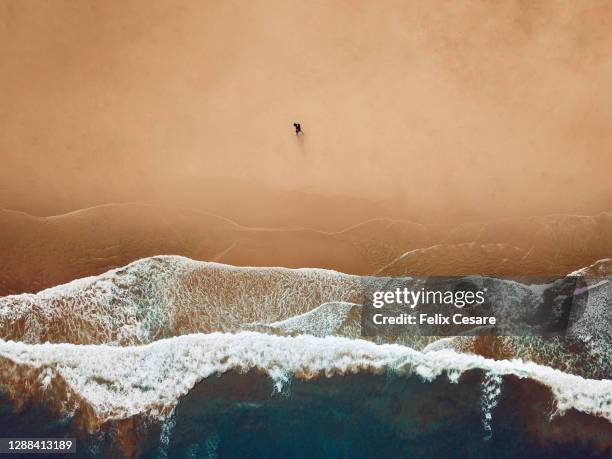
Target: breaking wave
[97, 386]
[119, 382]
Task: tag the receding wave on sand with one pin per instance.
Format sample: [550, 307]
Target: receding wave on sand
[168, 296]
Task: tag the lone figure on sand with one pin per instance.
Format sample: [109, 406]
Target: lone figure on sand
[298, 128]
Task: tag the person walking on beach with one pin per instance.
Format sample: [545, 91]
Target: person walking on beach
[298, 128]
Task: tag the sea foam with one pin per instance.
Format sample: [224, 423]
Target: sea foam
[120, 382]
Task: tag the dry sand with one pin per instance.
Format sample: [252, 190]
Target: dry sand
[446, 112]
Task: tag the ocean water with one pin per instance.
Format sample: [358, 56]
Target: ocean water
[353, 416]
[169, 358]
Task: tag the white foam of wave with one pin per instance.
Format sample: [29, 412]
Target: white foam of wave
[600, 267]
[121, 382]
[166, 432]
[491, 389]
[327, 319]
[167, 296]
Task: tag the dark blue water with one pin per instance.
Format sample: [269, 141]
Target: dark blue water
[360, 416]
